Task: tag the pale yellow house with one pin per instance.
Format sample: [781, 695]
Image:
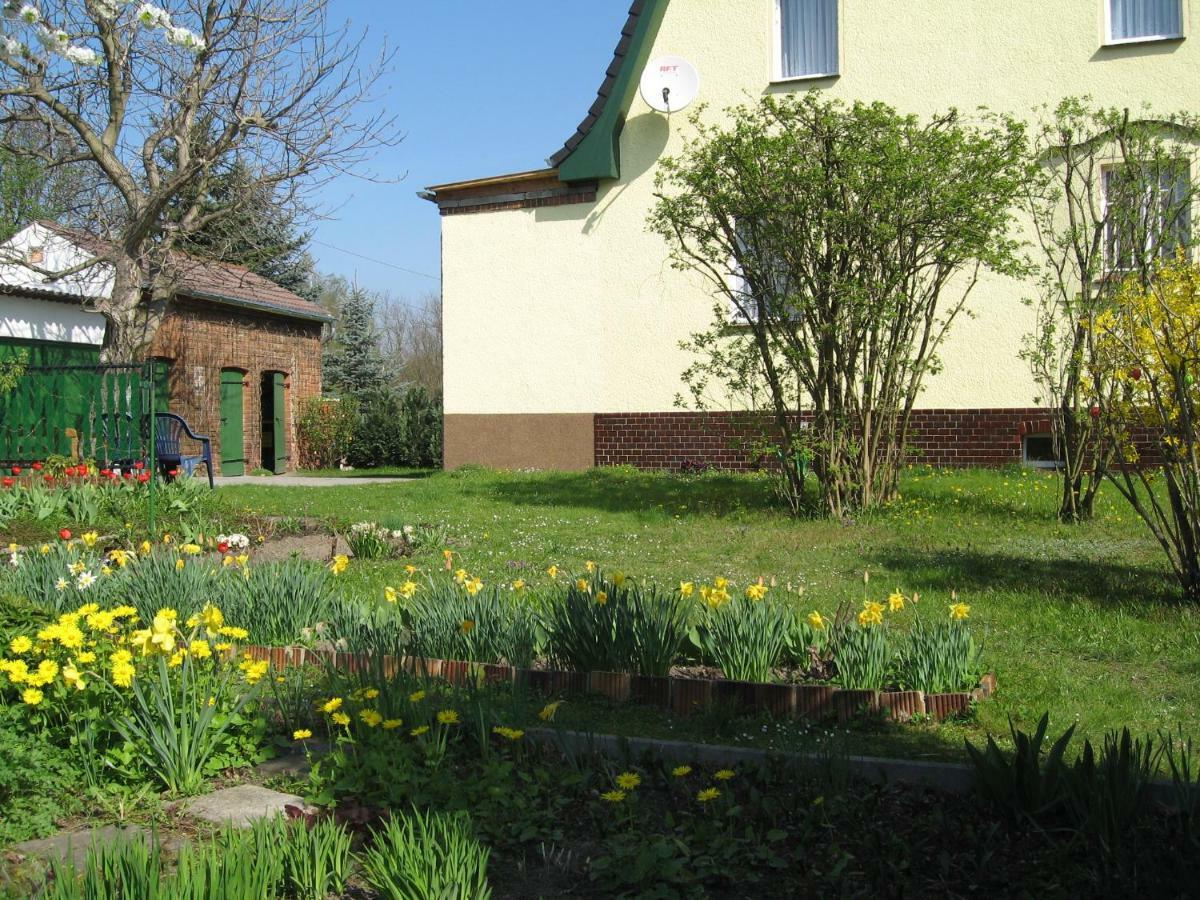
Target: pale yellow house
[562, 316]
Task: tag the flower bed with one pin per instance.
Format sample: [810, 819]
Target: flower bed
[681, 695]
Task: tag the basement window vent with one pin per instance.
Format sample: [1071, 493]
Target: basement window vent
[1038, 452]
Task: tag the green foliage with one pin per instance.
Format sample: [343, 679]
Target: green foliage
[39, 782]
[603, 627]
[324, 432]
[445, 621]
[369, 540]
[938, 658]
[1108, 790]
[398, 430]
[178, 718]
[353, 367]
[427, 856]
[836, 231]
[1025, 788]
[745, 637]
[315, 858]
[863, 655]
[279, 601]
[11, 370]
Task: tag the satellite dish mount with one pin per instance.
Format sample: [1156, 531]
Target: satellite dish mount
[670, 84]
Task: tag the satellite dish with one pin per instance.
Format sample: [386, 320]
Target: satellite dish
[670, 84]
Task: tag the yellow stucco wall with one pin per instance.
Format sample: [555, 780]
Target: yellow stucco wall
[573, 309]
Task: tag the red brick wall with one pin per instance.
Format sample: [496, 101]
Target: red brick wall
[676, 440]
[201, 339]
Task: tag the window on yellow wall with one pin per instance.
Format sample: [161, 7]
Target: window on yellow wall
[808, 38]
[1148, 216]
[1144, 20]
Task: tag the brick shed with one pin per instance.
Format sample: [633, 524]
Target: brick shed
[237, 354]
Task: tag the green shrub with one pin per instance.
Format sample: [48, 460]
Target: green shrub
[745, 637]
[398, 430]
[325, 432]
[427, 856]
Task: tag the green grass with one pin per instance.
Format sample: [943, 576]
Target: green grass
[381, 472]
[1081, 621]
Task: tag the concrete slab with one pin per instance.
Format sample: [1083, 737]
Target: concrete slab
[240, 806]
[74, 845]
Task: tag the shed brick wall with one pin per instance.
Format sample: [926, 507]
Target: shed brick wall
[201, 339]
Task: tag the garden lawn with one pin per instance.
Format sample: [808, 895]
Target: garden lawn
[1081, 621]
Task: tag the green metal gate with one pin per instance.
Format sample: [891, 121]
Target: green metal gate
[101, 412]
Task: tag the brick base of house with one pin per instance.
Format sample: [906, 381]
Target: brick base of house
[682, 440]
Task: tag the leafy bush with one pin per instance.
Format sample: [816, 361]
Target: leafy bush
[427, 856]
[398, 430]
[325, 432]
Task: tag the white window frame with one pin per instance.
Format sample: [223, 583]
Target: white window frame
[1110, 41]
[777, 76]
[1106, 172]
[1038, 463]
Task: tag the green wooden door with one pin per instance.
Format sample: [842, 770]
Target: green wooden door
[233, 443]
[277, 406]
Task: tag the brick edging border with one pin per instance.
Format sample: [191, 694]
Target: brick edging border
[683, 696]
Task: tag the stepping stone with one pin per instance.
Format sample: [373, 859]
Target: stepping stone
[292, 765]
[74, 844]
[241, 806]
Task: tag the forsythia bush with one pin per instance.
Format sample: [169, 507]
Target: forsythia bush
[1150, 340]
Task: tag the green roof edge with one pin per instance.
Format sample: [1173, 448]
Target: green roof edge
[599, 153]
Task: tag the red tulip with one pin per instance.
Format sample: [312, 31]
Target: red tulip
[16, 470]
[1135, 373]
[128, 475]
[37, 467]
[143, 478]
[65, 534]
[7, 482]
[223, 547]
[1095, 411]
[49, 479]
[139, 465]
[174, 473]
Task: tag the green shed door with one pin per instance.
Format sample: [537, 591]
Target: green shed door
[233, 444]
[277, 406]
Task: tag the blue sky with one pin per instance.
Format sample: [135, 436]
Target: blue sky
[479, 88]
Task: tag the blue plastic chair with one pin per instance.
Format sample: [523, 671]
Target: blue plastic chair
[169, 431]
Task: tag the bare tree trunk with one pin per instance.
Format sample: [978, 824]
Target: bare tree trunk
[133, 318]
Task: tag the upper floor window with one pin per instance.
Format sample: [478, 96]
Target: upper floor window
[1144, 20]
[808, 38]
[1148, 216]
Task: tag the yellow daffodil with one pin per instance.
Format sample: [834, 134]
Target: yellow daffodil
[90, 538]
[549, 711]
[552, 572]
[686, 588]
[389, 594]
[895, 601]
[816, 620]
[339, 564]
[959, 611]
[601, 598]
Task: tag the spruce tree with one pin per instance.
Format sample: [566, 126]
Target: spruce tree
[353, 365]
